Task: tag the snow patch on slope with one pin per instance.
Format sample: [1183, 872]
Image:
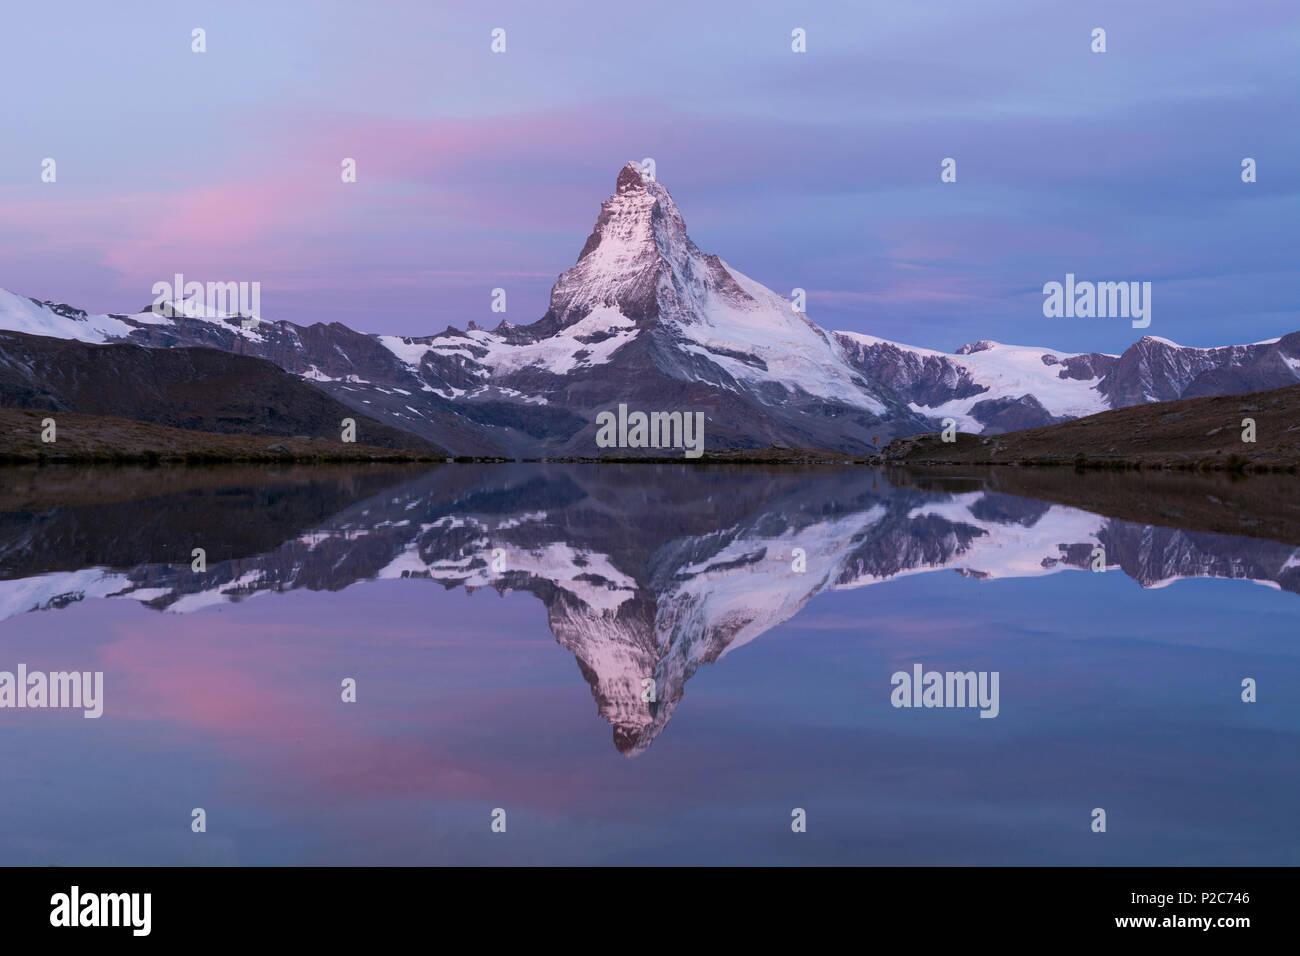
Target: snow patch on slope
[1008, 371]
[797, 353]
[20, 314]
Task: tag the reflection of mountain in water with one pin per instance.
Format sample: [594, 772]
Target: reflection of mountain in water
[645, 572]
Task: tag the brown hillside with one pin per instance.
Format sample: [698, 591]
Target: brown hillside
[1192, 433]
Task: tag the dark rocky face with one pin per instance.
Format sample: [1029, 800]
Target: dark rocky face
[196, 388]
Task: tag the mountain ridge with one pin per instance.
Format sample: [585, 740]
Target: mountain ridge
[644, 317]
[192, 389]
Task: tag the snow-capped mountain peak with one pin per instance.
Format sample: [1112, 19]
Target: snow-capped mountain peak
[638, 259]
[644, 317]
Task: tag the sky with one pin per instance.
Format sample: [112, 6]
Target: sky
[817, 170]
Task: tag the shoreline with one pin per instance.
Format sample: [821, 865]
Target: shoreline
[1079, 464]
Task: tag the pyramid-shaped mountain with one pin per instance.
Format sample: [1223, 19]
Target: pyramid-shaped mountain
[645, 319]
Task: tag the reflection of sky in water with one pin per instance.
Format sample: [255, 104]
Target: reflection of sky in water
[1111, 696]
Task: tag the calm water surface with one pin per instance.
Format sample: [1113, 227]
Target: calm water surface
[499, 622]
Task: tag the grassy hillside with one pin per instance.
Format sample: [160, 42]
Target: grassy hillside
[1192, 433]
[108, 439]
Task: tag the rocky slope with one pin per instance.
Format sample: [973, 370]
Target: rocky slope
[199, 389]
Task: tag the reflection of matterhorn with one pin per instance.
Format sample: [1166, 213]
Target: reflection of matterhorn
[643, 579]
